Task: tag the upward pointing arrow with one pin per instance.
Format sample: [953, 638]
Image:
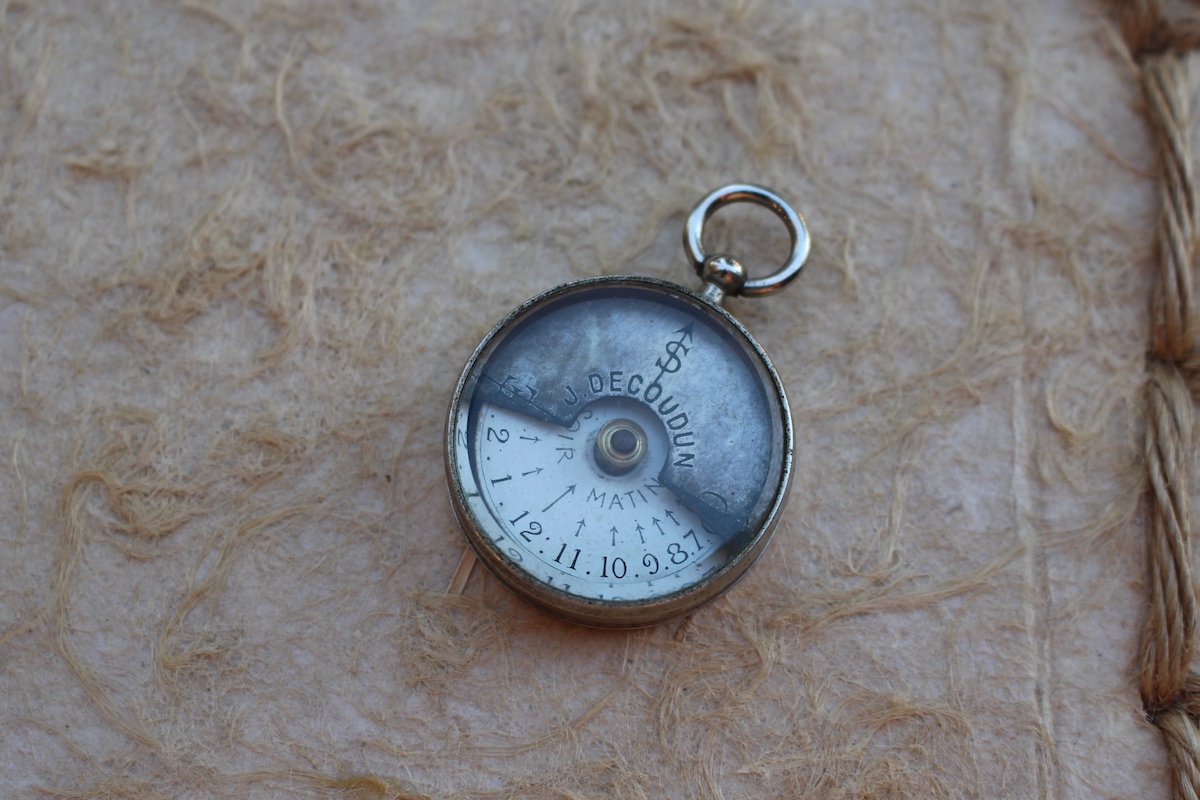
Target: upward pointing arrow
[686, 330]
[570, 490]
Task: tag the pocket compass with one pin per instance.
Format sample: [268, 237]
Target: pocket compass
[619, 449]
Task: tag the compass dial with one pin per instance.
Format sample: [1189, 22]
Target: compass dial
[581, 528]
[619, 450]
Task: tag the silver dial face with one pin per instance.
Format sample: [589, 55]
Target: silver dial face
[618, 451]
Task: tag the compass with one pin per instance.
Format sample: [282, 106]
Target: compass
[619, 449]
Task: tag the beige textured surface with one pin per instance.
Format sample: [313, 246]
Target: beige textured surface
[246, 247]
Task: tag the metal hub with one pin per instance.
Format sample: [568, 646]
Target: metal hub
[620, 446]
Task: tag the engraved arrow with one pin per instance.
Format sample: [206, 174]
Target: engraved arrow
[639, 530]
[570, 490]
[670, 516]
[582, 525]
[537, 471]
[614, 533]
[658, 524]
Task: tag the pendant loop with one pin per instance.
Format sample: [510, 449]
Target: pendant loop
[693, 234]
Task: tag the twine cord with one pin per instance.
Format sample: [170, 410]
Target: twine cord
[1170, 691]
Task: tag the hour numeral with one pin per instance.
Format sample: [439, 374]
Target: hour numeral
[618, 568]
[692, 533]
[534, 529]
[558, 558]
[524, 514]
[650, 559]
[500, 436]
[501, 480]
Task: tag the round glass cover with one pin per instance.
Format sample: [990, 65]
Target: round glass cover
[618, 451]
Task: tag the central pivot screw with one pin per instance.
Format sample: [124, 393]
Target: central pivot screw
[620, 446]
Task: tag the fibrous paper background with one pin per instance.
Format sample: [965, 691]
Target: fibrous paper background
[246, 247]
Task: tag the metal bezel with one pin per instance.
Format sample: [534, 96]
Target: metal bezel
[623, 613]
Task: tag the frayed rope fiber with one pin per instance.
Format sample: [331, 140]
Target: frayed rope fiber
[1170, 691]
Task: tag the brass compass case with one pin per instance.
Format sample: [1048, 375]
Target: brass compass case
[619, 449]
